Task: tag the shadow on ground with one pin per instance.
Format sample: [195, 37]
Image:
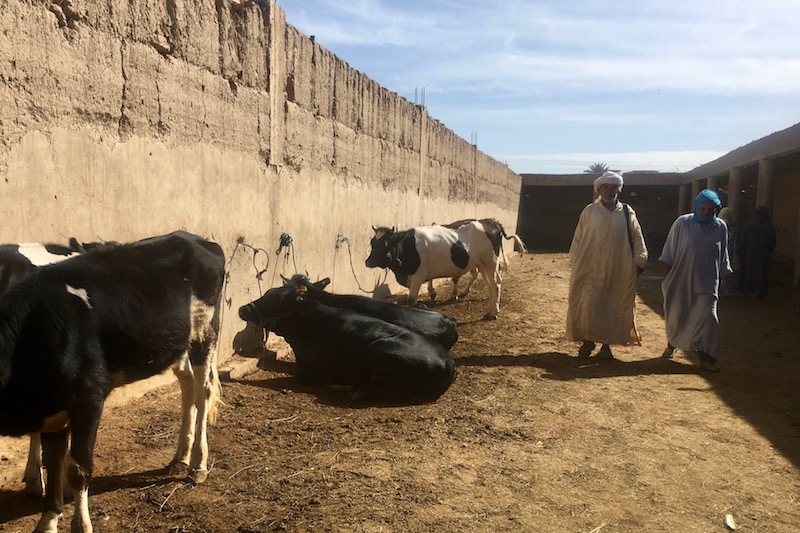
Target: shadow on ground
[759, 359]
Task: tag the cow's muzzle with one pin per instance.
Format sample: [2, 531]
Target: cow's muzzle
[250, 313]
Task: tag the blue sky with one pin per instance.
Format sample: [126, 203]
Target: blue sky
[553, 86]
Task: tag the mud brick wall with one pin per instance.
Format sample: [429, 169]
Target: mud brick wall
[123, 120]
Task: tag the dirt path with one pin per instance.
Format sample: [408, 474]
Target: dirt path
[528, 438]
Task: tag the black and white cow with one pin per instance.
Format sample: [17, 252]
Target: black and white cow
[436, 326]
[16, 262]
[337, 346]
[72, 331]
[424, 253]
[19, 260]
[496, 232]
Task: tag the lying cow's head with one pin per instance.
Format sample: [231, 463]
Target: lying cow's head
[277, 303]
[382, 245]
[299, 279]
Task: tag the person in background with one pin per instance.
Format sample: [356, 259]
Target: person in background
[756, 244]
[727, 283]
[696, 256]
[607, 253]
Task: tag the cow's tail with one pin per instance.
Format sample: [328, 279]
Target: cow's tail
[517, 241]
[503, 264]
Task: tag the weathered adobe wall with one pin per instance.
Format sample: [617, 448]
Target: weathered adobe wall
[122, 120]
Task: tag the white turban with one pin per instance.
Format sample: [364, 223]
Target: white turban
[609, 177]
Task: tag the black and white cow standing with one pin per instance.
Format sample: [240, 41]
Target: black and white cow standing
[72, 331]
[337, 346]
[16, 262]
[425, 253]
[436, 326]
[496, 232]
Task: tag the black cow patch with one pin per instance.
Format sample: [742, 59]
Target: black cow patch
[58, 249]
[408, 259]
[459, 255]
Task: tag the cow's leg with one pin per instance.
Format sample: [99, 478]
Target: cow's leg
[34, 484]
[184, 372]
[431, 290]
[206, 396]
[472, 277]
[413, 290]
[490, 275]
[454, 296]
[54, 448]
[498, 279]
[84, 420]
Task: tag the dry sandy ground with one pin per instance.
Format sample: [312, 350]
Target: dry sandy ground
[528, 438]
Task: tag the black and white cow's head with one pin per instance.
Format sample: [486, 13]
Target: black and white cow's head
[383, 245]
[277, 303]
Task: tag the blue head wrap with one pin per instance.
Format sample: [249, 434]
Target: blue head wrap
[706, 197]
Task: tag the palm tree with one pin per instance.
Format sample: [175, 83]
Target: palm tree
[596, 168]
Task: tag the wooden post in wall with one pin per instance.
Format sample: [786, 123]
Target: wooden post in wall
[276, 76]
[684, 200]
[697, 186]
[423, 148]
[735, 193]
[765, 179]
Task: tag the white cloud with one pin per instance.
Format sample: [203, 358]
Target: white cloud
[711, 46]
[561, 74]
[577, 162]
[620, 75]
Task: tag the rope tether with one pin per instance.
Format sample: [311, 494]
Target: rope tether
[342, 239]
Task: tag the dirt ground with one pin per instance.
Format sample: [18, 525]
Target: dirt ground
[528, 438]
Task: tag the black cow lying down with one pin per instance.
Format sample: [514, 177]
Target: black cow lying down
[436, 326]
[337, 346]
[72, 331]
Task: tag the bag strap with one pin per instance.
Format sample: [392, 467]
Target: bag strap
[628, 225]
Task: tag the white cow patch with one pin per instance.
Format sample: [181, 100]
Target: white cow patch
[38, 255]
[201, 315]
[80, 293]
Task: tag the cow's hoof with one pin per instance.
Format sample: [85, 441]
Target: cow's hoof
[489, 316]
[177, 468]
[198, 475]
